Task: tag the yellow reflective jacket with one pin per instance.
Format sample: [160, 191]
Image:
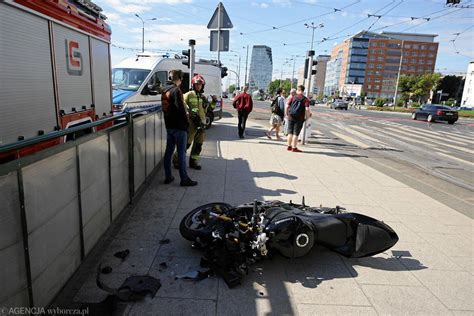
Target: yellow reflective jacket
[196, 102]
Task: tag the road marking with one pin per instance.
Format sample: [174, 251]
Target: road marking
[456, 158]
[350, 140]
[444, 138]
[428, 140]
[365, 136]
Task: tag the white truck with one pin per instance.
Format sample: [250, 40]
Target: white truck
[54, 69]
[137, 81]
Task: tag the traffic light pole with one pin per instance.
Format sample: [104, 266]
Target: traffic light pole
[192, 54]
[310, 71]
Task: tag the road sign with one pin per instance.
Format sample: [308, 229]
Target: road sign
[225, 22]
[223, 41]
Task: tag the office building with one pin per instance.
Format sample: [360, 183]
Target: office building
[370, 62]
[468, 92]
[261, 68]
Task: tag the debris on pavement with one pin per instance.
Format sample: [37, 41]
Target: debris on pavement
[106, 270]
[194, 275]
[134, 288]
[163, 266]
[122, 254]
[164, 241]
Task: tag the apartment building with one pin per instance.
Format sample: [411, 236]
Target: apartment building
[261, 68]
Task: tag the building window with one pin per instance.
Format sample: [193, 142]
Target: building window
[412, 68]
[415, 46]
[370, 72]
[407, 46]
[413, 61]
[382, 44]
[372, 57]
[423, 47]
[381, 51]
[429, 62]
[369, 86]
[422, 54]
[432, 47]
[430, 55]
[380, 58]
[371, 65]
[376, 79]
[377, 87]
[379, 66]
[378, 72]
[414, 54]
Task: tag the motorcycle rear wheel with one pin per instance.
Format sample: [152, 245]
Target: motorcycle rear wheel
[192, 227]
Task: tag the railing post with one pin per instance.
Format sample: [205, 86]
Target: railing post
[131, 163]
[24, 229]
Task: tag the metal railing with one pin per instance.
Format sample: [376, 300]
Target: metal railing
[58, 202]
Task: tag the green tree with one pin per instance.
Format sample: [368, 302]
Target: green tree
[232, 88]
[452, 85]
[275, 84]
[417, 86]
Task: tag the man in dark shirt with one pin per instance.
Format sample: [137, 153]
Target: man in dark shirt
[176, 122]
[297, 112]
[244, 105]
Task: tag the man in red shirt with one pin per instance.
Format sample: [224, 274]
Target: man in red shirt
[297, 112]
[244, 105]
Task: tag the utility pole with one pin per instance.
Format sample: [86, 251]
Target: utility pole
[246, 64]
[293, 73]
[398, 77]
[143, 30]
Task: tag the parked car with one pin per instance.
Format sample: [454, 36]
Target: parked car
[340, 104]
[435, 112]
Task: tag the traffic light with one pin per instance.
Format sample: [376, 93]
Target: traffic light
[313, 70]
[187, 53]
[223, 72]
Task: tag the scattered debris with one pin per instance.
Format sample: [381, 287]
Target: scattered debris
[122, 254]
[261, 293]
[194, 275]
[163, 266]
[106, 270]
[164, 241]
[134, 288]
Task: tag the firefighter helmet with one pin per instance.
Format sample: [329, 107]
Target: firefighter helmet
[198, 79]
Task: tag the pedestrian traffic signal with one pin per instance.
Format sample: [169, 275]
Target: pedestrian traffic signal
[306, 62]
[223, 72]
[187, 53]
[313, 70]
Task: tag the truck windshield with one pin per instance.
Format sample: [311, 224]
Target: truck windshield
[128, 79]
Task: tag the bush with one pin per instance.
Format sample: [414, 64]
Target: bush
[415, 105]
[379, 102]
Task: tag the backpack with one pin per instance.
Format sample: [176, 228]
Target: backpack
[165, 99]
[297, 108]
[275, 107]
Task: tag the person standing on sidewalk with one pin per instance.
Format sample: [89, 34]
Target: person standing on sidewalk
[244, 105]
[197, 105]
[285, 111]
[278, 110]
[297, 112]
[176, 122]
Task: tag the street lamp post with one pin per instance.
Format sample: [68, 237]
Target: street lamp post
[398, 77]
[238, 54]
[143, 30]
[246, 64]
[313, 27]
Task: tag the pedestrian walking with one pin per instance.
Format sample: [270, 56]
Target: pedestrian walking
[244, 105]
[277, 114]
[285, 118]
[176, 122]
[297, 112]
[197, 105]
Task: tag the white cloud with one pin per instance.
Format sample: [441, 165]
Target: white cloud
[263, 5]
[282, 3]
[172, 35]
[132, 8]
[170, 2]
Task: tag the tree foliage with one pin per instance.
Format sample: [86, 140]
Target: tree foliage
[275, 84]
[453, 85]
[232, 88]
[418, 87]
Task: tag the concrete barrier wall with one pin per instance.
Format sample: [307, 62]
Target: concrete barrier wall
[68, 195]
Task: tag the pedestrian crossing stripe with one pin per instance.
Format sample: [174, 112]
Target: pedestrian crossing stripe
[456, 158]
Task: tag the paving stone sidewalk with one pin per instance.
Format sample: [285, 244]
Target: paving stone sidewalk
[429, 271]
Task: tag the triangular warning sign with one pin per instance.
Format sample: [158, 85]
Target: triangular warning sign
[224, 19]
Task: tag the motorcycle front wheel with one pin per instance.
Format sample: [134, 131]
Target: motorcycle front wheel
[196, 225]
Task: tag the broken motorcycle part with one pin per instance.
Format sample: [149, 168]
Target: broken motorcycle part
[134, 288]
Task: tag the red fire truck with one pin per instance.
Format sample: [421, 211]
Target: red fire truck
[54, 70]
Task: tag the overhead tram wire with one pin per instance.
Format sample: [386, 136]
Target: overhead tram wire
[384, 14]
[430, 19]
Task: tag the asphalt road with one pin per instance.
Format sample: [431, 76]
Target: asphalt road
[435, 158]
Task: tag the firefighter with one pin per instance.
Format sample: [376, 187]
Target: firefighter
[197, 105]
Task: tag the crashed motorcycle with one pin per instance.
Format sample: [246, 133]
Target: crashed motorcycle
[233, 238]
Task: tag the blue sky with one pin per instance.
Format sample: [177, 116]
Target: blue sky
[280, 25]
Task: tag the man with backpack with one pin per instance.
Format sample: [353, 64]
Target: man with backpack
[278, 111]
[297, 113]
[176, 122]
[244, 105]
